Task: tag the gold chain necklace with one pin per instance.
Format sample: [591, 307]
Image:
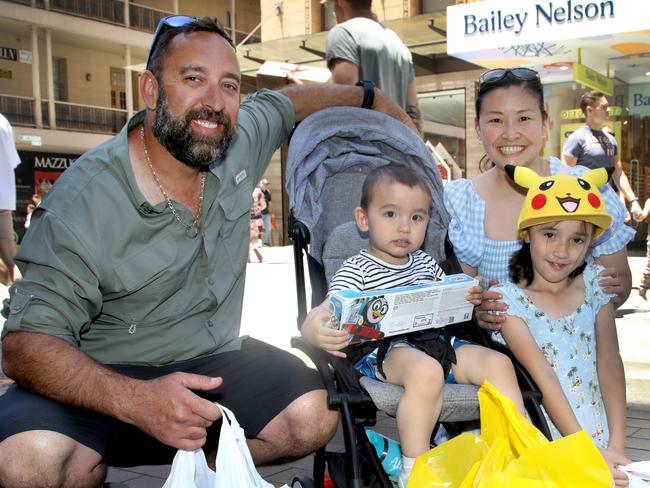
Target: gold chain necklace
[192, 229]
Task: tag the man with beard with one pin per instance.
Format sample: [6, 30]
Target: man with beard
[125, 328]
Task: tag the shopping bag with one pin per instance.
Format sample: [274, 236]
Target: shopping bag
[638, 474]
[235, 467]
[510, 452]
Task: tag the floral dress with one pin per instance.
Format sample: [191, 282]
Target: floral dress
[569, 344]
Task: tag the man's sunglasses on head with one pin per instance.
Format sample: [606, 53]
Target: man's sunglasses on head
[498, 74]
[175, 22]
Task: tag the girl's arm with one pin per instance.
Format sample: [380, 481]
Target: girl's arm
[611, 376]
[525, 348]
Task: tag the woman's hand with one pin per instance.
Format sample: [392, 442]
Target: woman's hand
[610, 282]
[490, 314]
[614, 459]
[316, 331]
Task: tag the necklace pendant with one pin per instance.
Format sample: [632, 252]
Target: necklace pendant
[192, 231]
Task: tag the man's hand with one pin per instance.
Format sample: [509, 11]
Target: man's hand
[167, 409]
[614, 458]
[490, 314]
[316, 331]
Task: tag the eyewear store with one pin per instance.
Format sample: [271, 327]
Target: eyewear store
[575, 45]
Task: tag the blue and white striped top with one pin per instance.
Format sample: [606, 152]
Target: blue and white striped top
[365, 272]
[491, 257]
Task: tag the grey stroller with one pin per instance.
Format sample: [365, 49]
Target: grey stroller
[330, 154]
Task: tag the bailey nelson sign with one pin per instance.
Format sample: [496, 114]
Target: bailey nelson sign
[492, 24]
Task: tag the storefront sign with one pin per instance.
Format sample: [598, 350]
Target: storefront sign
[497, 23]
[593, 79]
[639, 99]
[25, 56]
[576, 113]
[8, 53]
[33, 140]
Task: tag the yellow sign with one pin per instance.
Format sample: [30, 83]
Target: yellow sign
[593, 79]
[576, 113]
[5, 74]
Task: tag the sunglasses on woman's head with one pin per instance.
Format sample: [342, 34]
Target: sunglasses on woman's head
[498, 74]
[166, 24]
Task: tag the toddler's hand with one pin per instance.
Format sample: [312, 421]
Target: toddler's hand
[614, 458]
[316, 331]
[610, 282]
[475, 293]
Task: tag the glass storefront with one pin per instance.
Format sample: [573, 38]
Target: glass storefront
[443, 113]
[629, 121]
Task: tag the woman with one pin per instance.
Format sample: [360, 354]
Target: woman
[512, 126]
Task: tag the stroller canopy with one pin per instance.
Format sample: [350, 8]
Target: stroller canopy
[330, 153]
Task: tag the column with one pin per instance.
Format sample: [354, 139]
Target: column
[233, 29]
[51, 107]
[127, 14]
[36, 80]
[128, 84]
[175, 6]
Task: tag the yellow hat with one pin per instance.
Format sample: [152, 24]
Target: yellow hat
[561, 197]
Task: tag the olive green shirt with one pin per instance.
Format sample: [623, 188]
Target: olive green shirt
[121, 279]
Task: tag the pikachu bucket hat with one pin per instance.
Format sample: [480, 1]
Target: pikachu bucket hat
[561, 197]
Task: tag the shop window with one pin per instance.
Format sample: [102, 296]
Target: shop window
[443, 114]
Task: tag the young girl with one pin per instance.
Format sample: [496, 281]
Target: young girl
[394, 211]
[560, 324]
[511, 124]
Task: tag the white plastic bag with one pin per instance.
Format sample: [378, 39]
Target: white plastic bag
[638, 473]
[235, 467]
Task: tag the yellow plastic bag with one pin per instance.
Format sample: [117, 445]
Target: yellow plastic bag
[510, 452]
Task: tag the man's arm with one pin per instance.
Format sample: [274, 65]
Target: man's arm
[344, 72]
[412, 107]
[310, 98]
[621, 180]
[164, 408]
[569, 160]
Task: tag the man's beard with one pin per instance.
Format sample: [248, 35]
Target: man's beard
[175, 134]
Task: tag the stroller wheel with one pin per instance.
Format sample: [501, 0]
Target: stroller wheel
[302, 481]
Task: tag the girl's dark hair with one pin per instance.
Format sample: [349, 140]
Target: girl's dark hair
[534, 86]
[520, 268]
[391, 173]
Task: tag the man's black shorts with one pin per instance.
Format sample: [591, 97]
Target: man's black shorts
[259, 381]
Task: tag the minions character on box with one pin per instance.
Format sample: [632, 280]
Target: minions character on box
[561, 194]
[365, 317]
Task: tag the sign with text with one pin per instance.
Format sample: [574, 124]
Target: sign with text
[576, 113]
[593, 79]
[8, 53]
[503, 23]
[639, 99]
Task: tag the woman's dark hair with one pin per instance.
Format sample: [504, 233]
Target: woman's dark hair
[534, 86]
[520, 268]
[391, 173]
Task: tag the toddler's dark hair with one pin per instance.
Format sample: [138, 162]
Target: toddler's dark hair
[391, 173]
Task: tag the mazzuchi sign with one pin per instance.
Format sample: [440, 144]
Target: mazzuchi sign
[499, 23]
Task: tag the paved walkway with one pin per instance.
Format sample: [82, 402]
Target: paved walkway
[270, 295]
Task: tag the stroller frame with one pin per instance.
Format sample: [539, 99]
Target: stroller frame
[359, 466]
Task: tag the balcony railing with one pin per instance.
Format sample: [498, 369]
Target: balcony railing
[141, 17]
[69, 116]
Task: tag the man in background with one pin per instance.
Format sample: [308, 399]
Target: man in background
[267, 211]
[9, 159]
[594, 147]
[360, 48]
